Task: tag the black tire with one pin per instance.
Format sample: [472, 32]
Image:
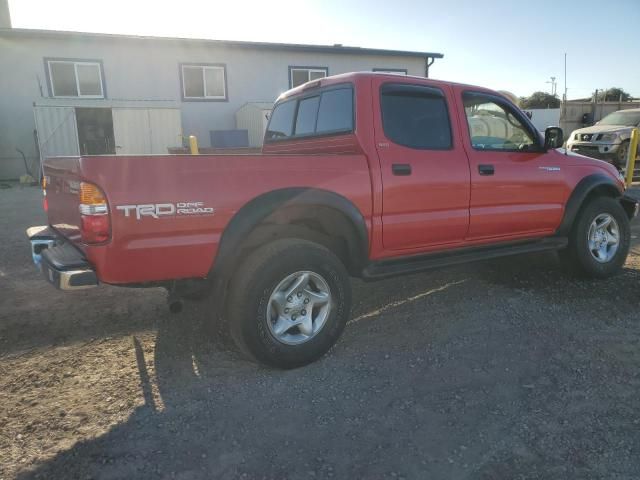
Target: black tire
[579, 258]
[252, 286]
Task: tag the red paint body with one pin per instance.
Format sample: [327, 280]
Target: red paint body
[443, 204]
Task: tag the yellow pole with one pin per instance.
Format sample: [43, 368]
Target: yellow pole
[193, 145]
[632, 153]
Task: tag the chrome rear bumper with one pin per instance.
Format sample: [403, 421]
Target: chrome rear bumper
[61, 263]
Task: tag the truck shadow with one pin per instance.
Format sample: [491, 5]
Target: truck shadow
[209, 413]
[543, 275]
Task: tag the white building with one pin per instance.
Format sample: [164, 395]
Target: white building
[69, 93]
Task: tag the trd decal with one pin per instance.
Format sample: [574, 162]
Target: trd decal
[157, 210]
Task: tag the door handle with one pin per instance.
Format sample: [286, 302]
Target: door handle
[486, 169]
[401, 169]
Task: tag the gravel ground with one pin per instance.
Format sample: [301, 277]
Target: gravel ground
[507, 369]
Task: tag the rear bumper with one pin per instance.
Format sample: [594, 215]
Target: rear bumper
[62, 264]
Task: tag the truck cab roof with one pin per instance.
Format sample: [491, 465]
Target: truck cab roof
[357, 77]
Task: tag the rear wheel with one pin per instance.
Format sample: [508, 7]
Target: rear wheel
[599, 240]
[288, 303]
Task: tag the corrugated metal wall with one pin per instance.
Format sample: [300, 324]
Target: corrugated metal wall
[57, 131]
[165, 125]
[136, 130]
[254, 117]
[146, 130]
[131, 130]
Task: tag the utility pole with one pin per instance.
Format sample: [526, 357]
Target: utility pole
[563, 110]
[565, 77]
[553, 86]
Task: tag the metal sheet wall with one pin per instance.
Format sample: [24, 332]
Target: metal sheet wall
[57, 131]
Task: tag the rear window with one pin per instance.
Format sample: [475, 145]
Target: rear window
[281, 122]
[416, 117]
[329, 112]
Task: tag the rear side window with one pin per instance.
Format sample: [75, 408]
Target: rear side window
[325, 113]
[307, 114]
[336, 111]
[281, 122]
[416, 116]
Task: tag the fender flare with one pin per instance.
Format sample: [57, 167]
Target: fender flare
[261, 207]
[580, 193]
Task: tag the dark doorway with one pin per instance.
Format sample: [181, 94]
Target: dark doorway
[95, 131]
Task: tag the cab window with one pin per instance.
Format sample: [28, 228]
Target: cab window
[494, 125]
[415, 116]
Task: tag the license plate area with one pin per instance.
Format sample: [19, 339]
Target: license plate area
[37, 247]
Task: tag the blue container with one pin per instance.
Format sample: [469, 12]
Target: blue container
[229, 138]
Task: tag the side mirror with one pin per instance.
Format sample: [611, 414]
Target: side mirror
[553, 137]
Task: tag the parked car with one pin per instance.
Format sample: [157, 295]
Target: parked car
[365, 175]
[608, 139]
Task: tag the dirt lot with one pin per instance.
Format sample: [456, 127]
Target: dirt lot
[500, 370]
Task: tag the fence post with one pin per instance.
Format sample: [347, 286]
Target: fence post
[631, 155]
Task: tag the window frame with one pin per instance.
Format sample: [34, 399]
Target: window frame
[392, 71]
[75, 62]
[203, 66]
[309, 69]
[316, 93]
[519, 114]
[409, 86]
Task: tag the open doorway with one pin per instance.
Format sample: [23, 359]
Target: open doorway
[95, 131]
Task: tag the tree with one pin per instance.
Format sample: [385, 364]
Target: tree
[540, 100]
[611, 95]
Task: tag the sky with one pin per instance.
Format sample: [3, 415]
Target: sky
[505, 45]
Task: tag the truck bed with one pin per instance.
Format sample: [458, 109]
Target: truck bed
[204, 191]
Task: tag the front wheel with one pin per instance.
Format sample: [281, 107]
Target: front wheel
[600, 238]
[288, 303]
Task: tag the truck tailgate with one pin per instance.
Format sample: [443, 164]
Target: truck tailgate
[62, 181]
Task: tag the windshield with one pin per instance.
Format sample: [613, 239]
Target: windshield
[629, 119]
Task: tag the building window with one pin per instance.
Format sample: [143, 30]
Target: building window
[204, 82]
[394, 71]
[300, 75]
[70, 78]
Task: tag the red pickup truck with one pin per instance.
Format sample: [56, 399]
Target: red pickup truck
[364, 175]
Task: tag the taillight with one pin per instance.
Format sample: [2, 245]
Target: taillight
[95, 223]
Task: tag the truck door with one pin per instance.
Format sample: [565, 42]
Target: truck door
[516, 188]
[425, 171]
